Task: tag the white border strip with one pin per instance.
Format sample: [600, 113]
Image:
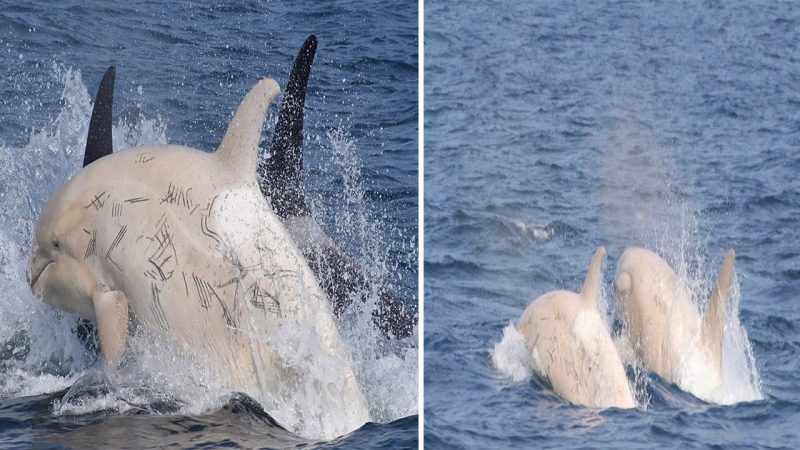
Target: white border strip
[421, 220]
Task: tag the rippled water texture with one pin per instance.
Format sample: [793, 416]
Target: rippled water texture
[182, 68]
[555, 127]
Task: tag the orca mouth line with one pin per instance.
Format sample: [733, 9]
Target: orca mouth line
[33, 278]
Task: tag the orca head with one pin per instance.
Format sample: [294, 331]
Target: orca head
[59, 268]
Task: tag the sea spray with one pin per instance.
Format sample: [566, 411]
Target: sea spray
[642, 205]
[386, 368]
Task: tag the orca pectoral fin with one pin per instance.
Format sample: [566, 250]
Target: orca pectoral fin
[111, 312]
[98, 142]
[591, 284]
[713, 326]
[283, 182]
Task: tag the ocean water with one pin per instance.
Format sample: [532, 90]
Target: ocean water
[552, 128]
[182, 68]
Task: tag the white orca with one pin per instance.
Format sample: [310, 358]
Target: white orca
[665, 328]
[283, 185]
[571, 347]
[182, 243]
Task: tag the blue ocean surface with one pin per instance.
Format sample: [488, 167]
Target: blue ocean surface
[181, 70]
[552, 128]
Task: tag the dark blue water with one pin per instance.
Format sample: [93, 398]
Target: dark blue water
[240, 423]
[555, 127]
[182, 68]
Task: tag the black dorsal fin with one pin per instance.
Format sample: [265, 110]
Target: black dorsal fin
[283, 182]
[98, 142]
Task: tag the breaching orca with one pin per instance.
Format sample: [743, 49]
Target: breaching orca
[182, 244]
[282, 183]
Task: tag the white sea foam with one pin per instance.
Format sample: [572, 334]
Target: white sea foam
[511, 356]
[739, 380]
[540, 233]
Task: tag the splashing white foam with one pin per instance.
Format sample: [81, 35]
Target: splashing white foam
[511, 356]
[739, 380]
[539, 233]
[20, 382]
[387, 370]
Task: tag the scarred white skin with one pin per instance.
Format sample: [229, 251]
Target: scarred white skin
[183, 243]
[665, 327]
[571, 347]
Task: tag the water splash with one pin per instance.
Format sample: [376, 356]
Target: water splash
[539, 233]
[739, 380]
[511, 356]
[641, 205]
[387, 369]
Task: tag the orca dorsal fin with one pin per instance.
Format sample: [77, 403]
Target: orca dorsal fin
[713, 325]
[591, 284]
[239, 148]
[283, 182]
[98, 141]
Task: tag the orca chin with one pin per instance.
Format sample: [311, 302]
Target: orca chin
[36, 267]
[35, 279]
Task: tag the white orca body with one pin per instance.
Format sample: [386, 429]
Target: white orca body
[665, 327]
[571, 347]
[184, 242]
[340, 277]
